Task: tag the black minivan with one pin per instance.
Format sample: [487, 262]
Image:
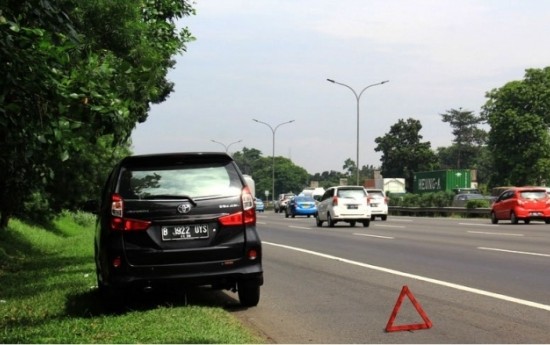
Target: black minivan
[183, 219]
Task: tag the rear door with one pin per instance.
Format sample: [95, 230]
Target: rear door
[183, 201]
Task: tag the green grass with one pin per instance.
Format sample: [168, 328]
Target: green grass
[48, 294]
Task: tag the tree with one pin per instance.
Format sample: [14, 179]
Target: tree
[75, 72]
[519, 116]
[288, 176]
[403, 153]
[468, 138]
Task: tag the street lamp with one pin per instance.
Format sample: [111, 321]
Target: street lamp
[273, 130]
[225, 146]
[357, 97]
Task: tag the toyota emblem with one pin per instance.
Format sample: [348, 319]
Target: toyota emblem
[184, 208]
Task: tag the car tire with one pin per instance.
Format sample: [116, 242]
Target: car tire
[366, 223]
[330, 222]
[527, 221]
[384, 217]
[513, 218]
[286, 215]
[547, 221]
[494, 219]
[249, 294]
[352, 223]
[318, 221]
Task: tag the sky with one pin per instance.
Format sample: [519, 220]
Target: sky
[270, 60]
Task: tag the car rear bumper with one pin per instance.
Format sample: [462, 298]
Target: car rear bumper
[218, 274]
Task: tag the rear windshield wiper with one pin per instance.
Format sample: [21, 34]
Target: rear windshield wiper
[169, 196]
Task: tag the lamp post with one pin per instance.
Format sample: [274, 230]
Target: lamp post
[225, 146]
[273, 130]
[357, 97]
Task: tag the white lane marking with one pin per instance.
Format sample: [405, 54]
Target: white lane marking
[494, 233]
[299, 227]
[389, 226]
[366, 235]
[479, 224]
[513, 251]
[417, 277]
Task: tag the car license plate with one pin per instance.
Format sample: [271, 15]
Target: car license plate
[374, 205]
[184, 232]
[352, 207]
[536, 214]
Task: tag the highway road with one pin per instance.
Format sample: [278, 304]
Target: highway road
[475, 282]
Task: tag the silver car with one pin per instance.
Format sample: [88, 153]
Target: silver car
[344, 204]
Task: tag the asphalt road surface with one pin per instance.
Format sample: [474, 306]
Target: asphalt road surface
[475, 282]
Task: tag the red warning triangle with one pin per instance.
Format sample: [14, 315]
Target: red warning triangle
[427, 323]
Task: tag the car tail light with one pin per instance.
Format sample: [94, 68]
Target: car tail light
[119, 223]
[252, 254]
[117, 262]
[247, 216]
[334, 201]
[117, 205]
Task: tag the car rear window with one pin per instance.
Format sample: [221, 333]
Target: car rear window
[376, 194]
[351, 193]
[533, 194]
[179, 181]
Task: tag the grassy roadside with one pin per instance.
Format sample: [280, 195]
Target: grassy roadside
[48, 295]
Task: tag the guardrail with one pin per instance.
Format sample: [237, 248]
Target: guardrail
[439, 211]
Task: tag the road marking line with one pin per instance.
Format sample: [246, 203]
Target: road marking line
[389, 226]
[299, 227]
[385, 237]
[494, 233]
[513, 251]
[417, 277]
[479, 224]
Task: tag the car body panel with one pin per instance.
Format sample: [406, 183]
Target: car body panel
[198, 219]
[344, 203]
[260, 206]
[301, 206]
[522, 203]
[378, 203]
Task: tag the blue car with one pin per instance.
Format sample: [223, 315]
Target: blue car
[301, 206]
[260, 207]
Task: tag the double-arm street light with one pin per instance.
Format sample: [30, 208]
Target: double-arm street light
[357, 97]
[273, 130]
[226, 146]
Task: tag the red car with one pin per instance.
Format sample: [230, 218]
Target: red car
[521, 203]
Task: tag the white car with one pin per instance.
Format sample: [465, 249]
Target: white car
[378, 203]
[344, 204]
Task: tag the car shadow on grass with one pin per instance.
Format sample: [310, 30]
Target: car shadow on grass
[90, 303]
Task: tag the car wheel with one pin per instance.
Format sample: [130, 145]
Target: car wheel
[352, 223]
[366, 223]
[527, 221]
[293, 215]
[384, 217]
[249, 294]
[330, 221]
[547, 221]
[318, 221]
[286, 214]
[494, 219]
[372, 217]
[513, 218]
